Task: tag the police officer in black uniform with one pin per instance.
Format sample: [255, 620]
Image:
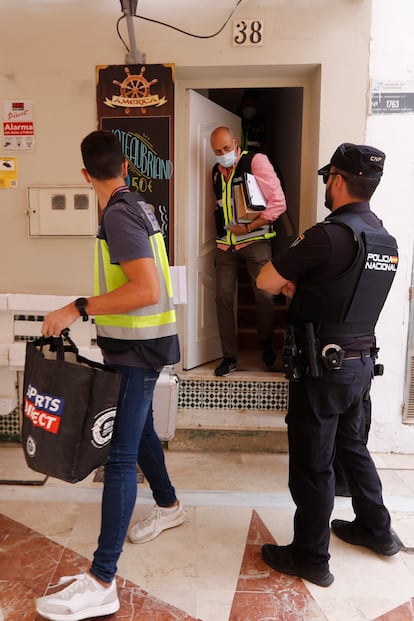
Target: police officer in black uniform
[338, 274]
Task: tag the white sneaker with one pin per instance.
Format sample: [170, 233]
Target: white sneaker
[157, 520]
[83, 598]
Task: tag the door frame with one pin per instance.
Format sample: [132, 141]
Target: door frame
[307, 77]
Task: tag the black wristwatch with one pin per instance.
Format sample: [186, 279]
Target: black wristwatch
[81, 304]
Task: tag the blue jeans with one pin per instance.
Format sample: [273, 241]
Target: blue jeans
[134, 440]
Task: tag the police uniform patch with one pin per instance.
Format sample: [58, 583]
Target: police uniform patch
[151, 220]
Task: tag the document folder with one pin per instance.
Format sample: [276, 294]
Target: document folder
[248, 198]
[254, 195]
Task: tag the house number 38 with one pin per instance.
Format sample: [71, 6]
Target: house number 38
[248, 32]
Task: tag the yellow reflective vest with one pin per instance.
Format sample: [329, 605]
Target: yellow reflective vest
[225, 207]
[150, 326]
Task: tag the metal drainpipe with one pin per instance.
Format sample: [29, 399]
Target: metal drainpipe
[133, 56]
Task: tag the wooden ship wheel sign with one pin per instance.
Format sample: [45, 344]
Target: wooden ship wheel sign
[135, 86]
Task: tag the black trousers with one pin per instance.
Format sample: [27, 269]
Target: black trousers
[254, 255]
[327, 415]
[340, 477]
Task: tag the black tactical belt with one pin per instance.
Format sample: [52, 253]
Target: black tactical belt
[355, 355]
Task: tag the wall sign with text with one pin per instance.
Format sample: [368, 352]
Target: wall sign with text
[136, 102]
[248, 33]
[18, 126]
[392, 97]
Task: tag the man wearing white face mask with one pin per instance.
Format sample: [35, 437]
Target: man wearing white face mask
[238, 242]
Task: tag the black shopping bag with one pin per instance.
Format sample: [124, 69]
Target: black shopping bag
[69, 407]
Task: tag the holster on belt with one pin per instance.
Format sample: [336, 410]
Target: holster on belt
[313, 352]
[292, 357]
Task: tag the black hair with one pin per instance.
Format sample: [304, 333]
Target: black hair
[102, 155]
[359, 186]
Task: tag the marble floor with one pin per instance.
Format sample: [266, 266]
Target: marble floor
[209, 568]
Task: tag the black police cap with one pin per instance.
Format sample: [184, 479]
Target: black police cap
[357, 159]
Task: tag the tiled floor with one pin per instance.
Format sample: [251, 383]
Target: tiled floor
[210, 567]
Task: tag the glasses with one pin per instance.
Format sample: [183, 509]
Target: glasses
[326, 175]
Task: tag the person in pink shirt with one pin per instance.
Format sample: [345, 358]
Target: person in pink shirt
[242, 242]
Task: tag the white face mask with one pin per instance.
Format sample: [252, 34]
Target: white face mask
[228, 159]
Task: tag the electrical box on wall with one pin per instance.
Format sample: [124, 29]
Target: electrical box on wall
[61, 211]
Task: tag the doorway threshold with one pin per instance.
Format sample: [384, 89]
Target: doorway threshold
[249, 366]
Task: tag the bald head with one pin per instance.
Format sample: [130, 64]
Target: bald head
[223, 141]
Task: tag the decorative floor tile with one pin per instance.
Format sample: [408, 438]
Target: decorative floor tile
[263, 593]
[233, 394]
[402, 613]
[30, 563]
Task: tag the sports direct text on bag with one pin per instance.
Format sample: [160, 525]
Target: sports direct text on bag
[43, 410]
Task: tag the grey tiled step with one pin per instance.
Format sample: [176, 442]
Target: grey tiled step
[230, 430]
[244, 440]
[226, 419]
[242, 412]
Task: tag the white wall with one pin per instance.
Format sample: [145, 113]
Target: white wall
[392, 59]
[48, 53]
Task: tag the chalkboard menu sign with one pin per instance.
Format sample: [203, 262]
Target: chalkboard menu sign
[140, 111]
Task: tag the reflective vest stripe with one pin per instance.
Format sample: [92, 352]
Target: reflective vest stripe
[133, 321]
[165, 267]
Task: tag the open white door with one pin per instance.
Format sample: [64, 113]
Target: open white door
[202, 342]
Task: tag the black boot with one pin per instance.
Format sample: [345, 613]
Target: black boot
[355, 534]
[283, 559]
